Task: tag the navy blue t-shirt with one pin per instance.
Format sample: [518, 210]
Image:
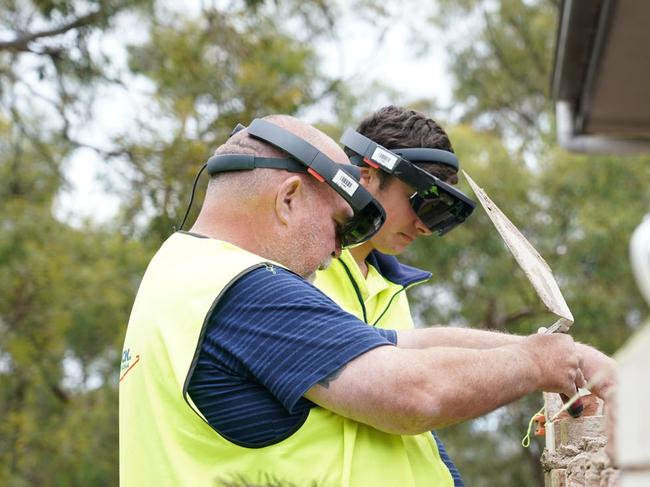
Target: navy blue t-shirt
[269, 339]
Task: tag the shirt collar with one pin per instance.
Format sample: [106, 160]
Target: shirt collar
[393, 270]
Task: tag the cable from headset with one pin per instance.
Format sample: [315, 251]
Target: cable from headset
[237, 128]
[189, 206]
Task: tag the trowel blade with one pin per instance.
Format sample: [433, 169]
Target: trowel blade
[536, 269]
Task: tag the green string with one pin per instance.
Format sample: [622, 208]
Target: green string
[525, 442]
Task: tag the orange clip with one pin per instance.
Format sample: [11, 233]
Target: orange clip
[315, 174]
[371, 163]
[540, 422]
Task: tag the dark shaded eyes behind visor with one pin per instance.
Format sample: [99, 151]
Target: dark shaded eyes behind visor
[440, 206]
[439, 216]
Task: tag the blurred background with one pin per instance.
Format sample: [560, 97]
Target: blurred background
[109, 107]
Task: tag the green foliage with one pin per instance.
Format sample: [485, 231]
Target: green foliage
[210, 72]
[65, 292]
[65, 295]
[502, 63]
[488, 451]
[596, 205]
[49, 66]
[576, 211]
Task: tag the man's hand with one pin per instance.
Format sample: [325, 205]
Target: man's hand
[557, 360]
[597, 365]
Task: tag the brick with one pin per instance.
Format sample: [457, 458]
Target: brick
[575, 455]
[574, 432]
[555, 478]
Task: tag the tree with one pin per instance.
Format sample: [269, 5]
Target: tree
[64, 296]
[210, 73]
[501, 63]
[192, 75]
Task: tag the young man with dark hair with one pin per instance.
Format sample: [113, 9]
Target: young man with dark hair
[368, 280]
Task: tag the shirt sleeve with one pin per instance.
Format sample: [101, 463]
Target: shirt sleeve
[286, 334]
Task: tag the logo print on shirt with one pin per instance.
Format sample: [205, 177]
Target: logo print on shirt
[127, 362]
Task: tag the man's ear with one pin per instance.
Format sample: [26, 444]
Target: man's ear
[370, 179]
[286, 198]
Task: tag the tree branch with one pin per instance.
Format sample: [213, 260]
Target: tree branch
[22, 43]
[517, 315]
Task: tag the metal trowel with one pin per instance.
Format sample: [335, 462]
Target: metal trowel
[536, 269]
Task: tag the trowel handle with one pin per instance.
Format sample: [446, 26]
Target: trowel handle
[576, 409]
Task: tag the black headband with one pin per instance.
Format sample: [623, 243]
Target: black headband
[425, 154]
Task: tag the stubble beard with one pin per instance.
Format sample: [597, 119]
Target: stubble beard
[295, 251]
[311, 277]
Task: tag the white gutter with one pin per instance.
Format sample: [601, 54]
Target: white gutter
[593, 144]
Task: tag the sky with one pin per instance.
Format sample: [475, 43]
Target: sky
[391, 57]
[381, 52]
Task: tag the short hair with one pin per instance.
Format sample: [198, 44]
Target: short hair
[399, 128]
[248, 183]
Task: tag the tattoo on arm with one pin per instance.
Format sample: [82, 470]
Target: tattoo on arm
[327, 380]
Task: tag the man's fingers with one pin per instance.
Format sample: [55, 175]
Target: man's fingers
[581, 362]
[579, 379]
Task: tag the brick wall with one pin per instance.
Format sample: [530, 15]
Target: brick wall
[575, 448]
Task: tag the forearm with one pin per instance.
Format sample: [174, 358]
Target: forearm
[467, 383]
[596, 364]
[450, 336]
[407, 391]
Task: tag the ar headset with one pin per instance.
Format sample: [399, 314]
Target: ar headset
[368, 216]
[440, 206]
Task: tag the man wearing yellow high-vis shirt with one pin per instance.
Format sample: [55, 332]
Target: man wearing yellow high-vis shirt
[236, 368]
[367, 280]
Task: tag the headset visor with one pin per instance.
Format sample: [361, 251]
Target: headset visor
[440, 206]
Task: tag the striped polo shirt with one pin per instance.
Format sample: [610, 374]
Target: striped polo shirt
[270, 338]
